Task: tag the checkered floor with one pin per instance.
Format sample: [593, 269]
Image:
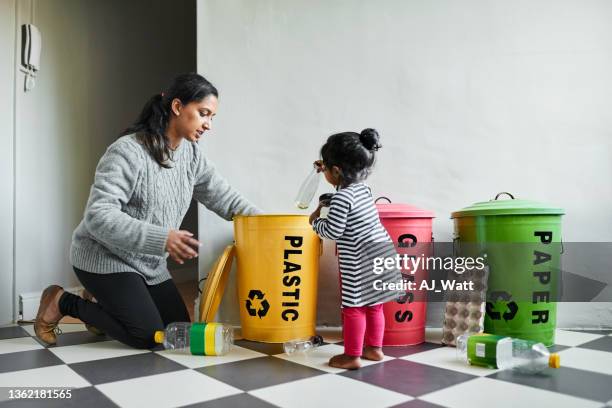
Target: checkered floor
[104, 373]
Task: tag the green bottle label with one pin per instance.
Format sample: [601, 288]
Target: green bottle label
[197, 339]
[482, 349]
[205, 338]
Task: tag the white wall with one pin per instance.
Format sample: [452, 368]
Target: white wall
[100, 62]
[7, 74]
[471, 98]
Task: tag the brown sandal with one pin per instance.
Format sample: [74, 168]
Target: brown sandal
[47, 331]
[85, 294]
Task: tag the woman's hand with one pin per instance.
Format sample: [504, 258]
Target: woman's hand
[316, 214]
[181, 246]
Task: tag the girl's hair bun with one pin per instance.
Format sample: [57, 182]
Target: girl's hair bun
[369, 138]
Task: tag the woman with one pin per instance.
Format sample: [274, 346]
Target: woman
[142, 189]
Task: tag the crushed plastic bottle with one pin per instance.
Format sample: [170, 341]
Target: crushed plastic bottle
[205, 339]
[502, 352]
[308, 189]
[302, 346]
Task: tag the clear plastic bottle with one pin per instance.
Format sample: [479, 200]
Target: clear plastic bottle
[502, 352]
[308, 189]
[302, 346]
[208, 339]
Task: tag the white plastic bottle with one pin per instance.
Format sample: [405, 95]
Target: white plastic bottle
[308, 189]
[207, 339]
[302, 346]
[502, 352]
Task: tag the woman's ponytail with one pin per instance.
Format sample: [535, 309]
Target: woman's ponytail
[150, 128]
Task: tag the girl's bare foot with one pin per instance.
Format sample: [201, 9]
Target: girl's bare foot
[346, 362]
[373, 353]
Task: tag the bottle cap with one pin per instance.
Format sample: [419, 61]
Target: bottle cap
[317, 340]
[554, 361]
[159, 337]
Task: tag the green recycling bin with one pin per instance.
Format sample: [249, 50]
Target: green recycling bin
[521, 243]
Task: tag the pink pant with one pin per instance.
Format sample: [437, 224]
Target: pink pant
[360, 322]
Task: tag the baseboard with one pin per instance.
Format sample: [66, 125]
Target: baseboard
[585, 316]
[29, 301]
[595, 315]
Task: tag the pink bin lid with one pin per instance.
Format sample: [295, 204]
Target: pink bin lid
[398, 210]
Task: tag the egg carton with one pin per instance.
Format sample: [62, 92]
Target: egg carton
[465, 310]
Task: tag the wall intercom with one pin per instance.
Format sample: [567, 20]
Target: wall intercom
[31, 47]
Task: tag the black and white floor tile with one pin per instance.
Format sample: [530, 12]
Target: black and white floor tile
[104, 373]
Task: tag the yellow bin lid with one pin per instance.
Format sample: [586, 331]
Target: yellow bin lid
[215, 284]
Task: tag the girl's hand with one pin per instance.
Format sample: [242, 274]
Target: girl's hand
[181, 246]
[316, 214]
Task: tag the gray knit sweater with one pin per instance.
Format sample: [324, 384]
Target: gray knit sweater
[134, 203]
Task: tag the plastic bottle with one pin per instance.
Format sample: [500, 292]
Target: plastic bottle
[308, 189]
[205, 339]
[325, 201]
[502, 352]
[302, 346]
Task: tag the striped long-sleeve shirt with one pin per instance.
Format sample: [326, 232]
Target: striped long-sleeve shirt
[353, 222]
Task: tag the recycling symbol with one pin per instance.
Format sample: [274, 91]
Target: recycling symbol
[264, 305]
[511, 305]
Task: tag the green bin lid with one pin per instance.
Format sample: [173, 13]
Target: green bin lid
[512, 206]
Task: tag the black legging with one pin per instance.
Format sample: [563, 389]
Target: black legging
[128, 310]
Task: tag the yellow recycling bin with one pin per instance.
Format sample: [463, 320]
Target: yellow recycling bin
[277, 271]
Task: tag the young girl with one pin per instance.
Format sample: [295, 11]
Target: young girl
[353, 222]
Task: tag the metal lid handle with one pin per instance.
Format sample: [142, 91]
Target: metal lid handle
[504, 192]
[386, 198]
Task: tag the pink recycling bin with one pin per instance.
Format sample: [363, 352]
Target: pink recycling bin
[410, 229]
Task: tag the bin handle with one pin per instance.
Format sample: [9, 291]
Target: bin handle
[386, 198]
[456, 243]
[504, 192]
[562, 248]
[433, 246]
